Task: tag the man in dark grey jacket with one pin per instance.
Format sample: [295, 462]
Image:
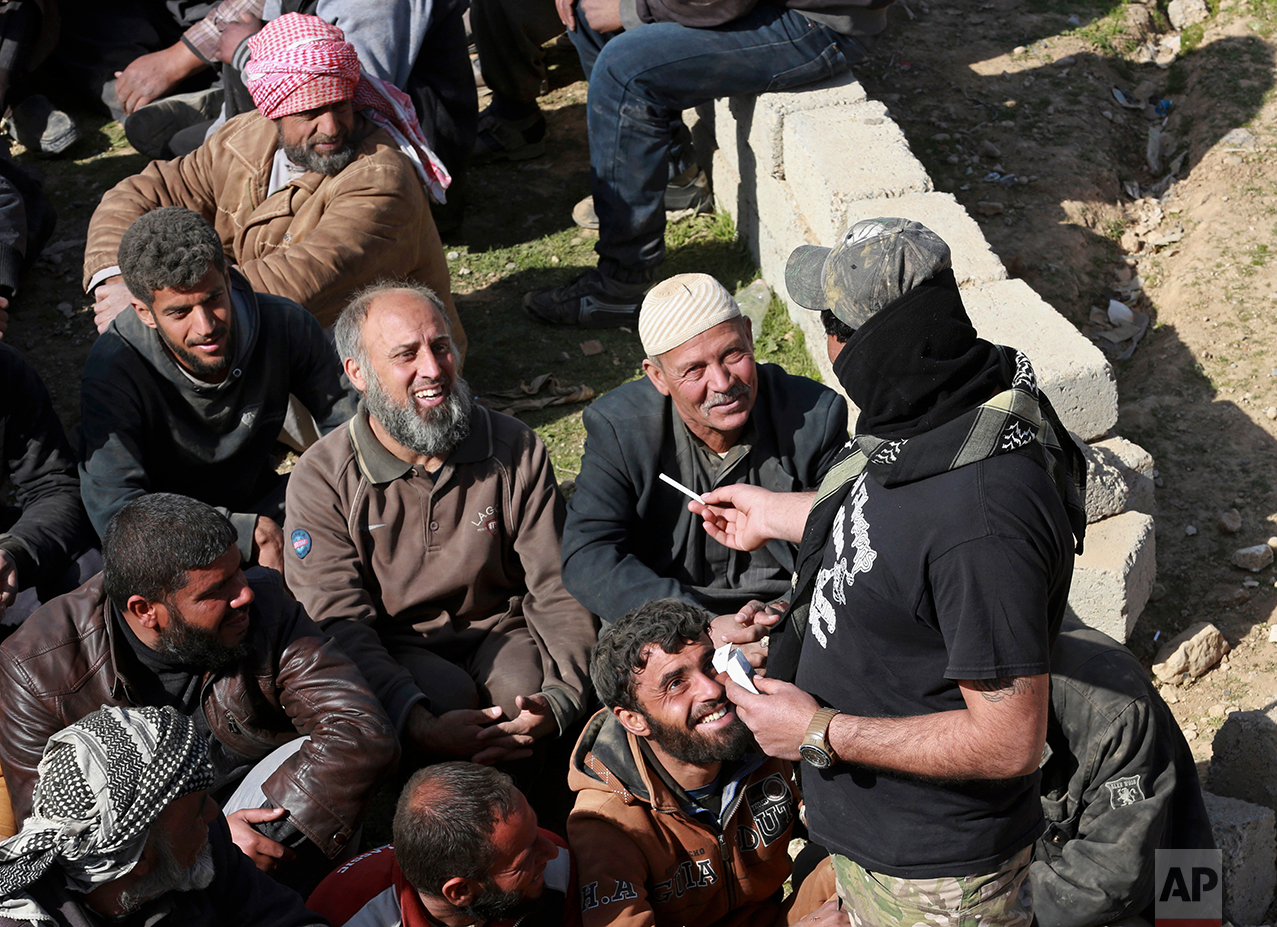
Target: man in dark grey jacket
[1118, 783]
[187, 393]
[705, 415]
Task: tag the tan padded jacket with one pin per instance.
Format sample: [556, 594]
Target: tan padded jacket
[315, 241]
[642, 859]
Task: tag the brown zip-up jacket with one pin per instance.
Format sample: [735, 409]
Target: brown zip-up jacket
[316, 241]
[67, 660]
[380, 548]
[643, 859]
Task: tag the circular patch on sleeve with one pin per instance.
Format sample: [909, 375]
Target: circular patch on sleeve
[301, 542]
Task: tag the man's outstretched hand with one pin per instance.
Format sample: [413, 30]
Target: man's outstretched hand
[778, 717]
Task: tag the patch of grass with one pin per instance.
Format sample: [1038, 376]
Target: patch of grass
[1108, 33]
[784, 344]
[1113, 229]
[1191, 38]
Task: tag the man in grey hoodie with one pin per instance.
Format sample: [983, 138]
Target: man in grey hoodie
[187, 393]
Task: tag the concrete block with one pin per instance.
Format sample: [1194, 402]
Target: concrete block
[973, 259]
[1074, 373]
[1119, 478]
[1113, 577]
[836, 157]
[748, 129]
[1245, 834]
[1244, 758]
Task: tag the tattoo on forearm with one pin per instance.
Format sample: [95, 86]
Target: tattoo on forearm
[995, 690]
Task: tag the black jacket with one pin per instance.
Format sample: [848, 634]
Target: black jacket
[629, 537]
[147, 426]
[1118, 783]
[52, 528]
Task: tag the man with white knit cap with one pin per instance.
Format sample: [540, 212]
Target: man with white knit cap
[705, 415]
[123, 831]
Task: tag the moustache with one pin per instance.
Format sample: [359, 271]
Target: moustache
[734, 392]
[212, 336]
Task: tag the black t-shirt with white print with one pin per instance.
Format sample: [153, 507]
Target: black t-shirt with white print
[963, 575]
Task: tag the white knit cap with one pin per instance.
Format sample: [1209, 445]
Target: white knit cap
[680, 308]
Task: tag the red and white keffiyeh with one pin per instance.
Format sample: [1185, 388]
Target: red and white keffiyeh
[300, 62]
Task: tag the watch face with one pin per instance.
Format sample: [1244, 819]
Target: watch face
[815, 756]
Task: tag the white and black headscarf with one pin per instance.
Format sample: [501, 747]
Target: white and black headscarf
[101, 784]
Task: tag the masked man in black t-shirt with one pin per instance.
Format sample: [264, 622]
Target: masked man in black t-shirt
[933, 573]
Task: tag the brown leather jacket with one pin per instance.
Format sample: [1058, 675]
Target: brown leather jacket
[64, 662]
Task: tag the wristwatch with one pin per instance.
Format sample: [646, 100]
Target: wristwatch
[815, 748]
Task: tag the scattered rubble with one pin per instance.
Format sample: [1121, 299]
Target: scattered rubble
[1253, 558]
[1230, 522]
[1191, 654]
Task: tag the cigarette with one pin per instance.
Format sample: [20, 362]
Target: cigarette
[681, 488]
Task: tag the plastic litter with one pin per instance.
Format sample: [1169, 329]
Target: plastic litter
[1120, 313]
[1125, 99]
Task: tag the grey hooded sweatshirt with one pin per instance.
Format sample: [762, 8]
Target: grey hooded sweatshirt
[147, 425]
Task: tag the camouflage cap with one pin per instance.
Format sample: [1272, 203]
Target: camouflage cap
[876, 262]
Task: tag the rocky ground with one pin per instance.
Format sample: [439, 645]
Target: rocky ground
[1167, 204]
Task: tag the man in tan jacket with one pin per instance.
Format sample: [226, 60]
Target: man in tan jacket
[324, 190]
[425, 536]
[679, 819]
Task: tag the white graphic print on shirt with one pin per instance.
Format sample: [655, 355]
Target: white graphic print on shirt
[839, 578]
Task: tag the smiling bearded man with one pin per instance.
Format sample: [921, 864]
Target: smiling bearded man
[679, 819]
[426, 533]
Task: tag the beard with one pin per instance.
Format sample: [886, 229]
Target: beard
[196, 647]
[169, 876]
[692, 746]
[199, 364]
[494, 904]
[330, 165]
[430, 432]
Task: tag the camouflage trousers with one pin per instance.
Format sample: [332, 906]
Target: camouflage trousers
[994, 899]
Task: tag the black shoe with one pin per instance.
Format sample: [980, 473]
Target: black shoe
[508, 140]
[589, 301]
[150, 128]
[41, 128]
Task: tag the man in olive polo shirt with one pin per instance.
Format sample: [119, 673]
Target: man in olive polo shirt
[426, 535]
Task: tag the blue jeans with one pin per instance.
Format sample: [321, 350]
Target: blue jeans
[642, 80]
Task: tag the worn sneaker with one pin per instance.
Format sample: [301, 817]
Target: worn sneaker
[509, 140]
[589, 301]
[41, 128]
[684, 196]
[151, 127]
